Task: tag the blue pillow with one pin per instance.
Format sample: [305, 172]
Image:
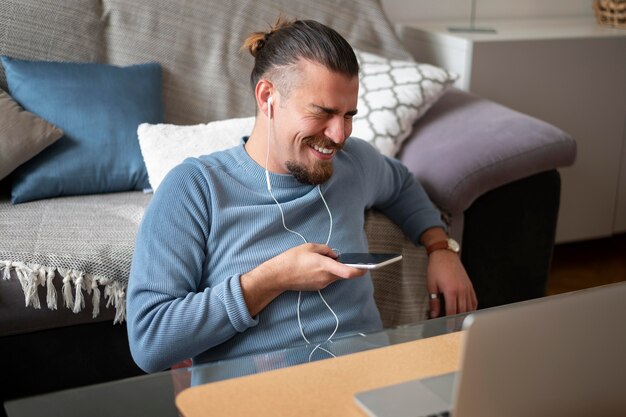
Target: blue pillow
[99, 107]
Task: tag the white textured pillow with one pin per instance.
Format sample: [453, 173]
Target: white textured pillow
[393, 95]
[164, 146]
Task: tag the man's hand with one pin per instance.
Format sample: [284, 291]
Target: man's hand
[446, 275]
[308, 267]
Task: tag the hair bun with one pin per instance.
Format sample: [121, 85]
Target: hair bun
[254, 42]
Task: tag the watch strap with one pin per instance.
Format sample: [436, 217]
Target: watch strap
[449, 244]
[442, 244]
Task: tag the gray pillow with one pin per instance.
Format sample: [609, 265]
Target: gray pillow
[23, 135]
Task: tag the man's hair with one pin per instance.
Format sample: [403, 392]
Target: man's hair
[289, 41]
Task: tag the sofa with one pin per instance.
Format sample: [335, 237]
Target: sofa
[65, 254]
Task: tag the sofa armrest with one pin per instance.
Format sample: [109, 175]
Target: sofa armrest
[466, 146]
[400, 289]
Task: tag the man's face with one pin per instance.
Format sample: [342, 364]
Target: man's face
[311, 124]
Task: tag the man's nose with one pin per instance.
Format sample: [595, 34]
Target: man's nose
[336, 130]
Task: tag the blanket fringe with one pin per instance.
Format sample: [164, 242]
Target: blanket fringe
[51, 295]
[31, 276]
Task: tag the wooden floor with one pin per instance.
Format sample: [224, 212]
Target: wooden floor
[588, 264]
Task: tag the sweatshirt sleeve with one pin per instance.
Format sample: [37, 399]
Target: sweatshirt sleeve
[392, 189]
[171, 317]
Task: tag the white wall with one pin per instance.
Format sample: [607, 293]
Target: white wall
[412, 10]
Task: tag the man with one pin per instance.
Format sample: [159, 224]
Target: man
[234, 255]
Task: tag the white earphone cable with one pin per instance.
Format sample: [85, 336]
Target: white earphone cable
[282, 215]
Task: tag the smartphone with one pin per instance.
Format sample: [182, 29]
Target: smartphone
[363, 260]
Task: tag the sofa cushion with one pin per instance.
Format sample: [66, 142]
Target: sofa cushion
[393, 95]
[99, 107]
[486, 145]
[206, 76]
[23, 135]
[51, 30]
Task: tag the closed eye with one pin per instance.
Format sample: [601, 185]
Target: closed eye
[333, 112]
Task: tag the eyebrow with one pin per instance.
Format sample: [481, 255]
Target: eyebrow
[329, 110]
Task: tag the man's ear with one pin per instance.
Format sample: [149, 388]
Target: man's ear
[263, 91]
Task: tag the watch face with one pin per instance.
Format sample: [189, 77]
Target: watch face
[453, 245]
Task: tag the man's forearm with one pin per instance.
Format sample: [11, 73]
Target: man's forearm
[308, 267]
[259, 288]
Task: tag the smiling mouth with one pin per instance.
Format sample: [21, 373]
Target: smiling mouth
[322, 150]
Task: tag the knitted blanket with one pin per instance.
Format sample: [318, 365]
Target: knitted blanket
[85, 241]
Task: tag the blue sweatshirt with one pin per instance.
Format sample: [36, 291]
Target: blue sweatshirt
[212, 220]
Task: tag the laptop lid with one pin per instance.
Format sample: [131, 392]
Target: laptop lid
[563, 355]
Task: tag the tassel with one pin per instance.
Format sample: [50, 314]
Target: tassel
[22, 276]
[40, 281]
[95, 300]
[88, 282]
[51, 296]
[68, 298]
[121, 307]
[120, 314]
[31, 288]
[7, 270]
[79, 300]
[119, 297]
[41, 274]
[108, 294]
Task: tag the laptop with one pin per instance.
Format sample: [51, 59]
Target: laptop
[563, 355]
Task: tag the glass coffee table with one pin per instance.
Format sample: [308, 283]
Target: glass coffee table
[154, 395]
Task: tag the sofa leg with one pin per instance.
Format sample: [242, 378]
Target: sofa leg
[508, 239]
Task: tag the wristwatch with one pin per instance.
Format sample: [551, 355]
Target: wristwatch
[449, 244]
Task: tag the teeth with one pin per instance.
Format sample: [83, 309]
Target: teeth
[322, 150]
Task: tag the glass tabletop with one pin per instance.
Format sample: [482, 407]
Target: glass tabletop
[154, 394]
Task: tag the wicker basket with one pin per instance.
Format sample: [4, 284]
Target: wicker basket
[610, 12]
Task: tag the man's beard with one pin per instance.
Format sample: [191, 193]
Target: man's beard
[321, 171]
